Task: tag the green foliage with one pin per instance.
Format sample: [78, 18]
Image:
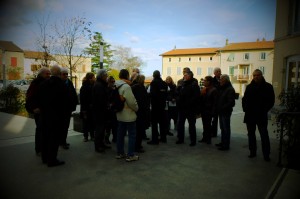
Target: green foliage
[12, 99]
[114, 73]
[94, 51]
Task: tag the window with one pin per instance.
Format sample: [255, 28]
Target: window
[262, 56]
[199, 71]
[169, 71]
[293, 72]
[190, 59]
[262, 68]
[294, 17]
[199, 58]
[169, 59]
[210, 71]
[246, 56]
[230, 57]
[179, 72]
[210, 58]
[13, 61]
[179, 59]
[231, 70]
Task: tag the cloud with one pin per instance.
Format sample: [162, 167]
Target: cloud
[17, 12]
[132, 38]
[103, 26]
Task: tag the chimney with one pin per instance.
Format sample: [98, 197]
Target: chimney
[263, 39]
[257, 40]
[226, 42]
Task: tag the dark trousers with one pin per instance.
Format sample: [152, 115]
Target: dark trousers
[99, 134]
[214, 131]
[264, 135]
[225, 129]
[88, 126]
[191, 118]
[158, 117]
[207, 127]
[51, 136]
[172, 114]
[38, 133]
[66, 124]
[140, 132]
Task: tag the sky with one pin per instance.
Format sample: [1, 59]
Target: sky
[148, 27]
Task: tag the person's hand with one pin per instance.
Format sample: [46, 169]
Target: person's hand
[36, 110]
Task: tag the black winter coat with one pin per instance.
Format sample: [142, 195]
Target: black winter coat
[257, 101]
[72, 95]
[100, 101]
[158, 94]
[86, 96]
[226, 99]
[142, 98]
[53, 100]
[189, 98]
[32, 94]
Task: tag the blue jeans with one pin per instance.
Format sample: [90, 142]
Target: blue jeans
[123, 127]
[225, 129]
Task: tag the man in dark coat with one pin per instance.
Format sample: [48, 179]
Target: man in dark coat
[258, 99]
[158, 95]
[225, 104]
[216, 83]
[100, 105]
[32, 105]
[72, 103]
[187, 103]
[53, 103]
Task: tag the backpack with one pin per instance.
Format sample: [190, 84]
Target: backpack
[117, 103]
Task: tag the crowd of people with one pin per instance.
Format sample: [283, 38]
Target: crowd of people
[52, 98]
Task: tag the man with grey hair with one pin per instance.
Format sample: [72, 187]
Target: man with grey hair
[73, 101]
[53, 104]
[225, 104]
[32, 105]
[216, 84]
[100, 109]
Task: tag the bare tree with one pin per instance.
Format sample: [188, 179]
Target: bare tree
[124, 58]
[71, 32]
[45, 40]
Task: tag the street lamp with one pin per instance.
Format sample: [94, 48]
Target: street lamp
[101, 55]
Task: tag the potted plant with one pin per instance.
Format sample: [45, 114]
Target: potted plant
[288, 127]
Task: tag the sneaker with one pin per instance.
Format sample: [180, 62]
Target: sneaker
[120, 156]
[132, 158]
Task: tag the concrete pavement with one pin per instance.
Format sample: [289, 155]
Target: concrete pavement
[164, 171]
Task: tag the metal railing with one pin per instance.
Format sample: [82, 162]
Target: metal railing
[287, 121]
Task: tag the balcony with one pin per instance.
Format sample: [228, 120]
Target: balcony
[243, 77]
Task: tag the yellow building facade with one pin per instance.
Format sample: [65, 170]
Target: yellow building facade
[286, 72]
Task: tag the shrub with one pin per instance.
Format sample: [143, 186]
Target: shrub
[12, 99]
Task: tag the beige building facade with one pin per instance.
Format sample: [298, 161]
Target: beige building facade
[35, 60]
[238, 60]
[201, 61]
[286, 72]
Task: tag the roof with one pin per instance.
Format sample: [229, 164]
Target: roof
[35, 55]
[248, 46]
[191, 51]
[10, 46]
